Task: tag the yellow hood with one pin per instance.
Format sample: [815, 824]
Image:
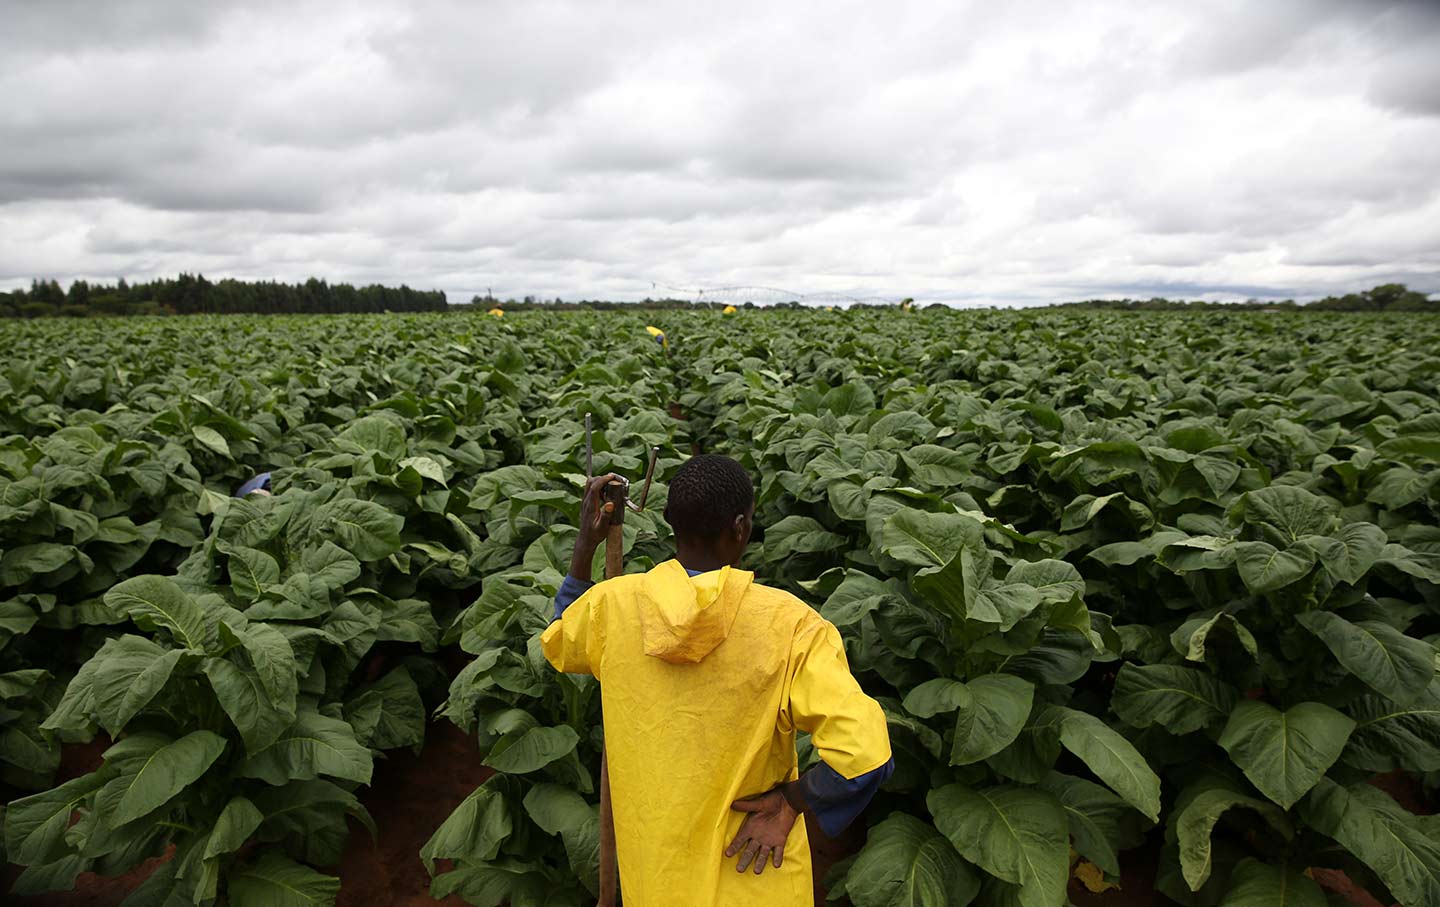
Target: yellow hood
[682, 617]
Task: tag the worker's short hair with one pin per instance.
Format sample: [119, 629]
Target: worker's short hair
[706, 494]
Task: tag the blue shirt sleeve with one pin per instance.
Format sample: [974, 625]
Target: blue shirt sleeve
[834, 799]
[570, 590]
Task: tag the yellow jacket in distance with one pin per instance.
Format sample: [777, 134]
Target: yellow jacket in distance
[704, 682]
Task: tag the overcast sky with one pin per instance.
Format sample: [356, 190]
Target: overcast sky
[998, 152]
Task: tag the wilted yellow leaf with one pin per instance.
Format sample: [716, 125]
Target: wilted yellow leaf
[1093, 878]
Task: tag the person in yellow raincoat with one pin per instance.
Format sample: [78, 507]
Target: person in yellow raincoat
[705, 678]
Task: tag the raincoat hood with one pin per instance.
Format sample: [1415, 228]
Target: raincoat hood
[682, 617]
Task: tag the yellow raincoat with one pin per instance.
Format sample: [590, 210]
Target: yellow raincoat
[705, 681]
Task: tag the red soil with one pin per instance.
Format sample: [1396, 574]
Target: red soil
[409, 797]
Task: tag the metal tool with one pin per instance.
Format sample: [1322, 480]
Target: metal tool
[623, 482]
[617, 492]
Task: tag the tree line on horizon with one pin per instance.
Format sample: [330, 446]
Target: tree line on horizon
[1388, 297]
[193, 294]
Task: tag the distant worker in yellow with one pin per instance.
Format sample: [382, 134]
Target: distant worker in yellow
[706, 676]
[658, 334]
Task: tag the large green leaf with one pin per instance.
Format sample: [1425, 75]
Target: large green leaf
[798, 535]
[314, 745]
[308, 818]
[559, 810]
[278, 881]
[251, 570]
[531, 749]
[1113, 759]
[1284, 754]
[211, 439]
[939, 695]
[332, 566]
[22, 562]
[504, 881]
[364, 528]
[1256, 884]
[1391, 736]
[1180, 699]
[1349, 555]
[1055, 581]
[35, 825]
[154, 601]
[1391, 663]
[242, 694]
[556, 808]
[1031, 756]
[1199, 808]
[389, 713]
[907, 863]
[273, 659]
[127, 676]
[1100, 822]
[930, 464]
[237, 822]
[858, 594]
[993, 717]
[1192, 637]
[1265, 568]
[1292, 512]
[380, 434]
[474, 831]
[146, 784]
[1382, 835]
[1402, 486]
[927, 539]
[1016, 834]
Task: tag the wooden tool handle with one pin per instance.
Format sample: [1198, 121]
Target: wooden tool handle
[614, 537]
[614, 566]
[609, 869]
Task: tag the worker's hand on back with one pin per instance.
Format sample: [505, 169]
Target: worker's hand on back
[763, 834]
[594, 524]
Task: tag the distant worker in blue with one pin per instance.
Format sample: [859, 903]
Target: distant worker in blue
[260, 484]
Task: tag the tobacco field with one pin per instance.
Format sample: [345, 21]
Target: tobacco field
[1133, 588]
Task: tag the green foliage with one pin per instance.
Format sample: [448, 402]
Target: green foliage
[1111, 576]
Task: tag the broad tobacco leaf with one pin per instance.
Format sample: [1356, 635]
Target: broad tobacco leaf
[1285, 754]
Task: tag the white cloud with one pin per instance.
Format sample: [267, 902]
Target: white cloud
[1017, 152]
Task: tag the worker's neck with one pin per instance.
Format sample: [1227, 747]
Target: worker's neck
[702, 560]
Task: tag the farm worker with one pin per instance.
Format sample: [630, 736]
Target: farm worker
[259, 484]
[496, 312]
[706, 676]
[729, 310]
[658, 334]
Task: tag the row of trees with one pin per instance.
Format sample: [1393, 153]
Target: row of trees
[1389, 297]
[193, 294]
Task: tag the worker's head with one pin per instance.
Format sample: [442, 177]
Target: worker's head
[711, 506]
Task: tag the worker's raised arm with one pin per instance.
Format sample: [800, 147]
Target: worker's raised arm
[846, 726]
[574, 640]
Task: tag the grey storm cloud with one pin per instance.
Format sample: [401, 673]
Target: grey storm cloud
[954, 151]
